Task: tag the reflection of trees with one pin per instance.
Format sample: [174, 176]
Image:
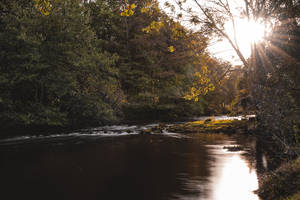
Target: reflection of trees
[140, 167]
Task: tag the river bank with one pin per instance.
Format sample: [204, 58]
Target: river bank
[280, 182]
[283, 183]
[229, 125]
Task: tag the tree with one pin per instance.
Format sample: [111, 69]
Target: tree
[277, 77]
[273, 68]
[211, 16]
[53, 73]
[166, 56]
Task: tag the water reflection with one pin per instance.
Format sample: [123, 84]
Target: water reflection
[148, 167]
[232, 176]
[234, 180]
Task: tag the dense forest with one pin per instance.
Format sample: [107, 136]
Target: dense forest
[83, 64]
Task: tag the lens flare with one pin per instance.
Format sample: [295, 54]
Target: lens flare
[247, 32]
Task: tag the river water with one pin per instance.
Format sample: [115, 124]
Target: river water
[117, 163]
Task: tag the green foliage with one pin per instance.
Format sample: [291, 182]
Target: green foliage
[72, 64]
[157, 67]
[52, 71]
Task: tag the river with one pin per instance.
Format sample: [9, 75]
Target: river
[116, 163]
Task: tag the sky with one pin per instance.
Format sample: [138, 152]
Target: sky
[220, 49]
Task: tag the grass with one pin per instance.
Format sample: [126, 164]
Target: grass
[212, 126]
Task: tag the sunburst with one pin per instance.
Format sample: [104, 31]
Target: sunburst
[246, 33]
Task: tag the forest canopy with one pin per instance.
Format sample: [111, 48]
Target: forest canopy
[76, 63]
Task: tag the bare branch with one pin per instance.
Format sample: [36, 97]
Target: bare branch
[223, 33]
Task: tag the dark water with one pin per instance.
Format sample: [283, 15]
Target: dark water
[133, 167]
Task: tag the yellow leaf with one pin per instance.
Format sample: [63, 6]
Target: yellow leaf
[197, 74]
[132, 6]
[45, 12]
[43, 6]
[187, 97]
[171, 49]
[143, 10]
[130, 13]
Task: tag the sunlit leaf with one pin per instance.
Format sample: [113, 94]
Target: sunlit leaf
[171, 49]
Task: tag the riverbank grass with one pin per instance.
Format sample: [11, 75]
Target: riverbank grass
[211, 126]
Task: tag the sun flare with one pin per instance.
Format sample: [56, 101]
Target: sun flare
[247, 33]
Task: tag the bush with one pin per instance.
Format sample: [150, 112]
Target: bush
[284, 183]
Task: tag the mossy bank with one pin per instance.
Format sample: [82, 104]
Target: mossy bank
[211, 126]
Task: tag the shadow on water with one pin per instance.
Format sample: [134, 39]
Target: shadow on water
[150, 167]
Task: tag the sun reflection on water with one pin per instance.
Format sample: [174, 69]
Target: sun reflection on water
[235, 180]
